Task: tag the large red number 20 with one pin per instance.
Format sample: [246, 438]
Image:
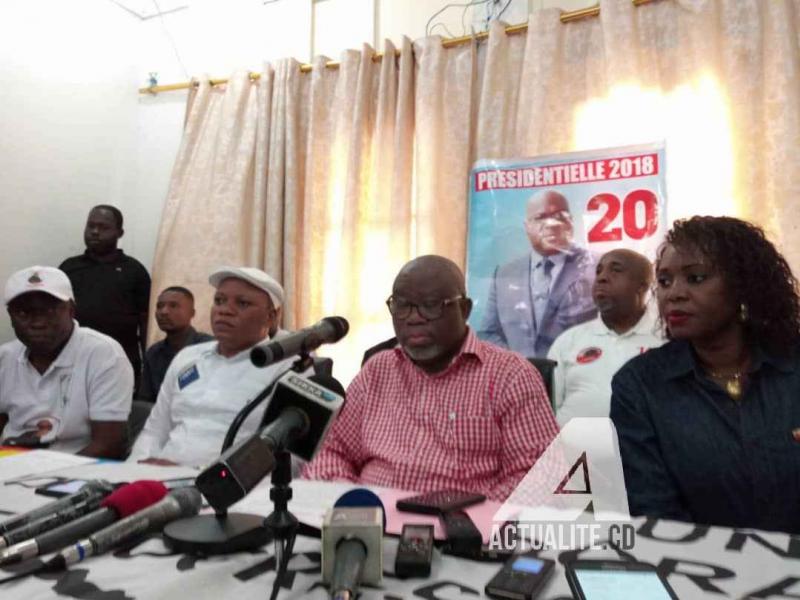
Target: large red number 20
[603, 232]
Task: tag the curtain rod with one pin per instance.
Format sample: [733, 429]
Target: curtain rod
[566, 17]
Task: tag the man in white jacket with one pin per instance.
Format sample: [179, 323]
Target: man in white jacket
[206, 385]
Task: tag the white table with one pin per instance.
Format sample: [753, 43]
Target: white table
[701, 560]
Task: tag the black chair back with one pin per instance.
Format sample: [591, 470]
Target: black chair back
[546, 368]
[140, 410]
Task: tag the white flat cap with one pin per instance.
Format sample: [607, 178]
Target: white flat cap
[253, 276]
[39, 279]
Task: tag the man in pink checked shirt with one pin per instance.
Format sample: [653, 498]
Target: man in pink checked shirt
[444, 410]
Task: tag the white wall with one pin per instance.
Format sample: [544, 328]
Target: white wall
[69, 109]
[76, 132]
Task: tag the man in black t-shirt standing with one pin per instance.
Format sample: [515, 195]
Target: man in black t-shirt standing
[112, 290]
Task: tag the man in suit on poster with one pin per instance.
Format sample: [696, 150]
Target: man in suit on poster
[535, 297]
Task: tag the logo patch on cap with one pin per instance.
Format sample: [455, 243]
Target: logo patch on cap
[35, 278]
[588, 355]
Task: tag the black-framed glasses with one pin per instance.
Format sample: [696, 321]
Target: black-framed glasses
[400, 307]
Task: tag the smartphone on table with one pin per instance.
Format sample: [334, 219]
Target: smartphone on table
[439, 502]
[61, 488]
[616, 580]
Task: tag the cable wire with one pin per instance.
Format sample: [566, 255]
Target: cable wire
[171, 40]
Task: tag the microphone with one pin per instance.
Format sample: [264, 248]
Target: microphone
[327, 331]
[52, 521]
[125, 501]
[352, 538]
[96, 489]
[298, 417]
[183, 502]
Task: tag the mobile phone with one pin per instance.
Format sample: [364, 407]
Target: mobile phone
[616, 580]
[61, 488]
[521, 578]
[29, 439]
[439, 502]
[415, 551]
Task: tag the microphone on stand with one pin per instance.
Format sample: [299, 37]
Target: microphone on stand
[327, 331]
[183, 502]
[298, 417]
[92, 490]
[125, 501]
[352, 539]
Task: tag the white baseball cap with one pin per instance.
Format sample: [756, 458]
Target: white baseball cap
[39, 279]
[253, 276]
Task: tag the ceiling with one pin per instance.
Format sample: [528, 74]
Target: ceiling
[147, 9]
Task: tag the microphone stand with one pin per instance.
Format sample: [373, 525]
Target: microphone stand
[281, 523]
[222, 533]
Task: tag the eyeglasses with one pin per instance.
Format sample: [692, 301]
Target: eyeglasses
[430, 310]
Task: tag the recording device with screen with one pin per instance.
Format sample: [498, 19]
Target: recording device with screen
[462, 536]
[616, 580]
[521, 578]
[439, 502]
[415, 551]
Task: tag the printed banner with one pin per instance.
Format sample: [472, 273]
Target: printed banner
[537, 228]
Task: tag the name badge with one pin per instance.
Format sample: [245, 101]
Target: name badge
[187, 376]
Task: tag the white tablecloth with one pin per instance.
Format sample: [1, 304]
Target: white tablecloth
[701, 562]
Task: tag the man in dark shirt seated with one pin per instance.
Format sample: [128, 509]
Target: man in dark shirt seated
[112, 290]
[174, 313]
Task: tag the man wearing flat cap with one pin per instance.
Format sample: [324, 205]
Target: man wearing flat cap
[61, 385]
[207, 384]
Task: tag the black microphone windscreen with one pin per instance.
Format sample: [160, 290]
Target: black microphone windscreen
[340, 326]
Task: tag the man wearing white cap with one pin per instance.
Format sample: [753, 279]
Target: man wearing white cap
[61, 385]
[207, 384]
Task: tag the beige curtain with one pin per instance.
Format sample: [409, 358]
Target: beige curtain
[330, 180]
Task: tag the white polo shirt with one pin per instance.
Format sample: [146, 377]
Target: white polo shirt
[90, 380]
[202, 393]
[588, 356]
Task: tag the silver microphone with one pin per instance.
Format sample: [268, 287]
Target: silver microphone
[92, 490]
[352, 539]
[183, 502]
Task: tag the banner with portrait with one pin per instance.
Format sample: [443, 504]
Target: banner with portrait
[537, 227]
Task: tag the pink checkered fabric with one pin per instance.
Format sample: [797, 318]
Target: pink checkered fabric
[477, 426]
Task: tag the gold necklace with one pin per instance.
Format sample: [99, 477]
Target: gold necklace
[733, 383]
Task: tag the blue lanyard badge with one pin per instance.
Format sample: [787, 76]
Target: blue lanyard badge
[187, 376]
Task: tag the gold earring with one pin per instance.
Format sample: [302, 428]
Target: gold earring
[743, 313]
